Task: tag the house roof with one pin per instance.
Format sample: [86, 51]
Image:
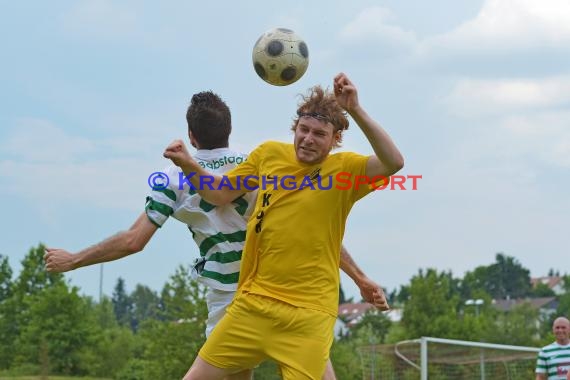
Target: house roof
[550, 281]
[353, 311]
[536, 303]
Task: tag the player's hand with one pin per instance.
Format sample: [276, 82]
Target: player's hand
[345, 93]
[372, 293]
[58, 260]
[178, 154]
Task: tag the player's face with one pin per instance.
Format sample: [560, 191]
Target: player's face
[313, 140]
[561, 329]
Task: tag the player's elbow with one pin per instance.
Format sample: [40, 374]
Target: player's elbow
[399, 164]
[133, 243]
[396, 165]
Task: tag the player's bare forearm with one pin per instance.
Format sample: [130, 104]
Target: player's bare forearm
[370, 291]
[387, 159]
[113, 248]
[349, 267]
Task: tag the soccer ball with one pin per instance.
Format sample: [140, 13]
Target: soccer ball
[280, 57]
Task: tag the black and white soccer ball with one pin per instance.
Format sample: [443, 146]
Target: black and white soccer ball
[280, 57]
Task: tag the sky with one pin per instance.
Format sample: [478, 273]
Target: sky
[475, 93]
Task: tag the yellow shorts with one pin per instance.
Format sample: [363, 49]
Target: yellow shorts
[256, 328]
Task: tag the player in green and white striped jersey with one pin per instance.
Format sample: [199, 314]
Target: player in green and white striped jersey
[219, 231]
[553, 362]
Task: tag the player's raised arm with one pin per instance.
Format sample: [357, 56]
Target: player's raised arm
[113, 248]
[196, 175]
[387, 159]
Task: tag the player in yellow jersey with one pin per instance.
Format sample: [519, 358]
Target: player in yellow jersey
[287, 298]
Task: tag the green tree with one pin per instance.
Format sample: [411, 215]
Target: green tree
[476, 319]
[145, 305]
[122, 304]
[345, 353]
[376, 322]
[7, 317]
[517, 326]
[5, 279]
[563, 308]
[361, 354]
[542, 290]
[566, 283]
[33, 277]
[553, 273]
[506, 278]
[14, 309]
[114, 345]
[511, 278]
[183, 298]
[58, 321]
[400, 297]
[171, 345]
[432, 307]
[473, 282]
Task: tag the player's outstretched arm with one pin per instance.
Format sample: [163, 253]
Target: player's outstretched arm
[370, 291]
[213, 192]
[117, 246]
[387, 159]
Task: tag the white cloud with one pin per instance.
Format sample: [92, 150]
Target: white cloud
[471, 97]
[512, 25]
[544, 135]
[39, 140]
[522, 121]
[41, 161]
[108, 183]
[372, 27]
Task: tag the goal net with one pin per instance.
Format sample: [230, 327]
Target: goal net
[446, 359]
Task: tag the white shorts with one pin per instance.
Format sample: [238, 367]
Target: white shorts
[217, 302]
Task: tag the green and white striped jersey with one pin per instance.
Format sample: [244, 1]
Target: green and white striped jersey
[554, 361]
[219, 231]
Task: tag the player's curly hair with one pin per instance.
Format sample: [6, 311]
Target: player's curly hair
[321, 104]
[209, 119]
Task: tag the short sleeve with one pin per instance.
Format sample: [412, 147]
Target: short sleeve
[161, 203]
[355, 166]
[246, 175]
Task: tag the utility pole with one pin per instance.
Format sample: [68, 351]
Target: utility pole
[100, 282]
[478, 302]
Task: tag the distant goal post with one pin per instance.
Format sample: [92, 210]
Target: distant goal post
[489, 354]
[447, 359]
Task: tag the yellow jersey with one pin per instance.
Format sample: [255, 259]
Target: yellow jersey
[294, 236]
